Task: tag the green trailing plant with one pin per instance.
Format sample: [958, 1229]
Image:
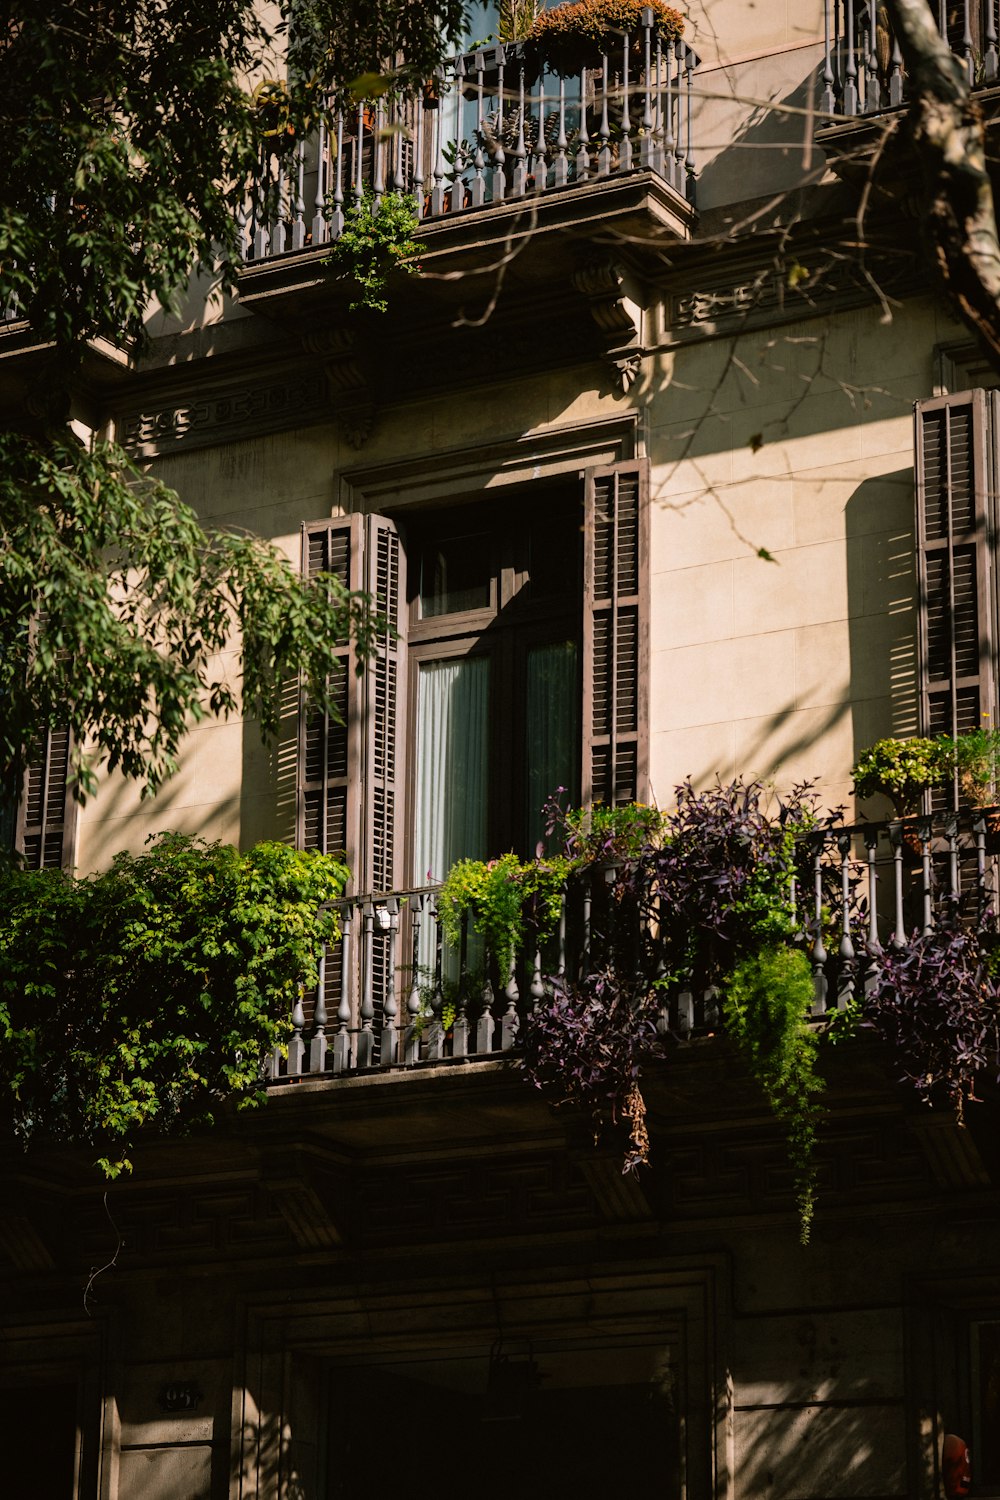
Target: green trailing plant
[377, 240]
[767, 1000]
[974, 758]
[515, 18]
[607, 835]
[146, 996]
[505, 900]
[901, 770]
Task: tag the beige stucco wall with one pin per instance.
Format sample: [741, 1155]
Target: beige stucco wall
[796, 440]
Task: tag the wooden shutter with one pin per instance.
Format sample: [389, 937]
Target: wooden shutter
[616, 635]
[329, 793]
[953, 463]
[46, 818]
[385, 710]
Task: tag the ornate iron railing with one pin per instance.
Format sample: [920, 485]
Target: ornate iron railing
[394, 994]
[489, 131]
[863, 69]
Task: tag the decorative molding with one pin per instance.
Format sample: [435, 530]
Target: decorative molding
[222, 416]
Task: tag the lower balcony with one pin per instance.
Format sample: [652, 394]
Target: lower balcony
[396, 995]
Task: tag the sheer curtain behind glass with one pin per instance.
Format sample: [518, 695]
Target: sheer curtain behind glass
[452, 765]
[553, 730]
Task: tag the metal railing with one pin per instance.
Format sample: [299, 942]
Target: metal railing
[393, 993]
[490, 130]
[863, 69]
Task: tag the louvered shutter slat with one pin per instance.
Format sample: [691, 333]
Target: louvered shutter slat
[956, 656]
[615, 635]
[46, 816]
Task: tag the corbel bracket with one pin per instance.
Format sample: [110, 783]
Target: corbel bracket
[601, 283]
[350, 393]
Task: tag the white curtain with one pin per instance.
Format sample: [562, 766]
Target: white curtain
[553, 730]
[452, 764]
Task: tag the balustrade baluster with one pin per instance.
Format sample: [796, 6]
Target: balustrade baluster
[656, 161]
[458, 186]
[561, 962]
[359, 163]
[519, 175]
[689, 169]
[560, 166]
[951, 834]
[873, 945]
[850, 62]
[388, 1052]
[990, 37]
[477, 187]
[923, 827]
[896, 839]
[438, 190]
[685, 1013]
[873, 101]
[625, 150]
[583, 137]
[262, 237]
[537, 167]
[378, 156]
[646, 123]
[968, 55]
[537, 987]
[365, 1054]
[982, 888]
[279, 232]
[820, 982]
[435, 1031]
[299, 208]
[604, 132]
[411, 1038]
[896, 74]
[585, 950]
[418, 158]
[669, 136]
[846, 978]
[486, 1025]
[460, 1033]
[336, 223]
[679, 131]
[398, 127]
[827, 102]
[498, 186]
[510, 1024]
[318, 1042]
[342, 1036]
[244, 216]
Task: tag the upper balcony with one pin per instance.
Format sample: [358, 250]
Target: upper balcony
[863, 71]
[498, 152]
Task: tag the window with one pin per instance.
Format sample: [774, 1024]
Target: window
[519, 664]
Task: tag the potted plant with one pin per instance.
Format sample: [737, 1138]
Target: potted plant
[901, 770]
[974, 758]
[570, 38]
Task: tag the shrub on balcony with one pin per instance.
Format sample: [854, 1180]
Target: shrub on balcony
[901, 770]
[975, 759]
[376, 241]
[504, 900]
[570, 38]
[147, 995]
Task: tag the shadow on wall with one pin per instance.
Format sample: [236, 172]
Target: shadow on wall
[771, 152]
[882, 608]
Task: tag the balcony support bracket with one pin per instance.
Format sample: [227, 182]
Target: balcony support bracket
[602, 285]
[350, 392]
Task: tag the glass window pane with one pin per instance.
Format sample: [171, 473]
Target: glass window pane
[455, 574]
[552, 725]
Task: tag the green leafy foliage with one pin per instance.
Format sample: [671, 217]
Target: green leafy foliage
[974, 758]
[333, 43]
[573, 36]
[147, 995]
[767, 1000]
[116, 609]
[506, 898]
[901, 770]
[128, 141]
[377, 239]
